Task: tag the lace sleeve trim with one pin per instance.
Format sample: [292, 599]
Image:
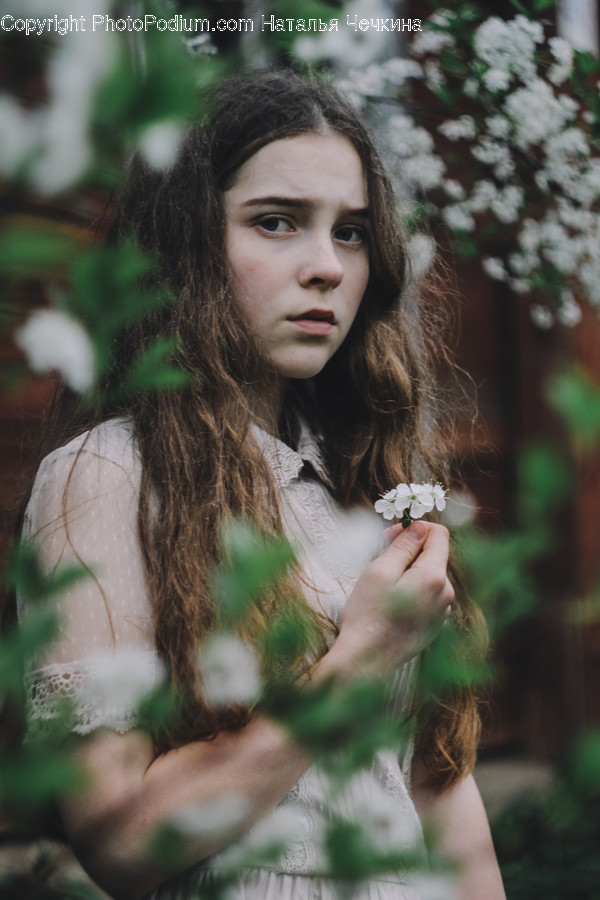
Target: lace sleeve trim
[104, 692]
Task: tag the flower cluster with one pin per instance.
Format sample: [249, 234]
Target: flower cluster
[411, 501]
[521, 107]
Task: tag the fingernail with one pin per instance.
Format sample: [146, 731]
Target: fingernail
[417, 531]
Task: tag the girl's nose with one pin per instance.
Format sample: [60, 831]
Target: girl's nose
[323, 268]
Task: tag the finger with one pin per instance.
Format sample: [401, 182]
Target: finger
[393, 531]
[436, 548]
[401, 553]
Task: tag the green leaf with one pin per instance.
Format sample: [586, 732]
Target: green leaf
[35, 250]
[521, 8]
[450, 662]
[20, 645]
[585, 63]
[25, 575]
[164, 88]
[152, 371]
[541, 6]
[254, 562]
[544, 481]
[584, 764]
[354, 856]
[109, 294]
[36, 774]
[106, 285]
[576, 398]
[498, 573]
[330, 717]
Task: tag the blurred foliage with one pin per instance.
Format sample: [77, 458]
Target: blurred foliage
[44, 880]
[576, 397]
[253, 562]
[547, 845]
[533, 9]
[501, 567]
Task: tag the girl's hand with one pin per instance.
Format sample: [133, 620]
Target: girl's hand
[399, 601]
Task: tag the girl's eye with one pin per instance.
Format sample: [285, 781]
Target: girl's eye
[275, 224]
[350, 234]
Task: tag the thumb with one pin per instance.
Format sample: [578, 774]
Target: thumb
[403, 549]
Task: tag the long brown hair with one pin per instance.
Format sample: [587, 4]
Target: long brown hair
[373, 402]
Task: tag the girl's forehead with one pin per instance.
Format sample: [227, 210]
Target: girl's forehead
[310, 164]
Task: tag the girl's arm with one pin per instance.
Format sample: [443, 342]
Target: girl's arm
[461, 832]
[129, 792]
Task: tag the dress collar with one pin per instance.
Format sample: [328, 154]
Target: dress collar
[286, 463]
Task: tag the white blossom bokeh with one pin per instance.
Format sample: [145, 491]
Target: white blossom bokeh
[54, 139]
[536, 165]
[53, 341]
[230, 671]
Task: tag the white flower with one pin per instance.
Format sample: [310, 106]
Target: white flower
[562, 51]
[507, 203]
[386, 504]
[121, 679]
[541, 316]
[494, 267]
[471, 87]
[569, 312]
[454, 189]
[519, 285]
[74, 72]
[495, 154]
[51, 341]
[496, 80]
[229, 671]
[458, 218]
[456, 129]
[498, 127]
[434, 77]
[421, 253]
[385, 827]
[523, 263]
[18, 135]
[430, 41]
[484, 194]
[398, 70]
[426, 171]
[406, 138]
[345, 86]
[439, 496]
[416, 499]
[159, 144]
[537, 113]
[508, 48]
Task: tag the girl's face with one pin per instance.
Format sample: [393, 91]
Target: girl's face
[297, 247]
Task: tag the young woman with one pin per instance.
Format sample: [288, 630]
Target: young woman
[277, 234]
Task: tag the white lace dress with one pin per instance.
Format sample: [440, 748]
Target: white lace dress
[105, 616]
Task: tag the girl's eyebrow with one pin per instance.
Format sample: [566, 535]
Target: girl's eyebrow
[300, 203]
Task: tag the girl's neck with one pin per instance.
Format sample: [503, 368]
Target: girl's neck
[267, 405]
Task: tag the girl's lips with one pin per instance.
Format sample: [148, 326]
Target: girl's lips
[315, 321]
[313, 326]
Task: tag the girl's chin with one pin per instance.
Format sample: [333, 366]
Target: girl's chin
[306, 363]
